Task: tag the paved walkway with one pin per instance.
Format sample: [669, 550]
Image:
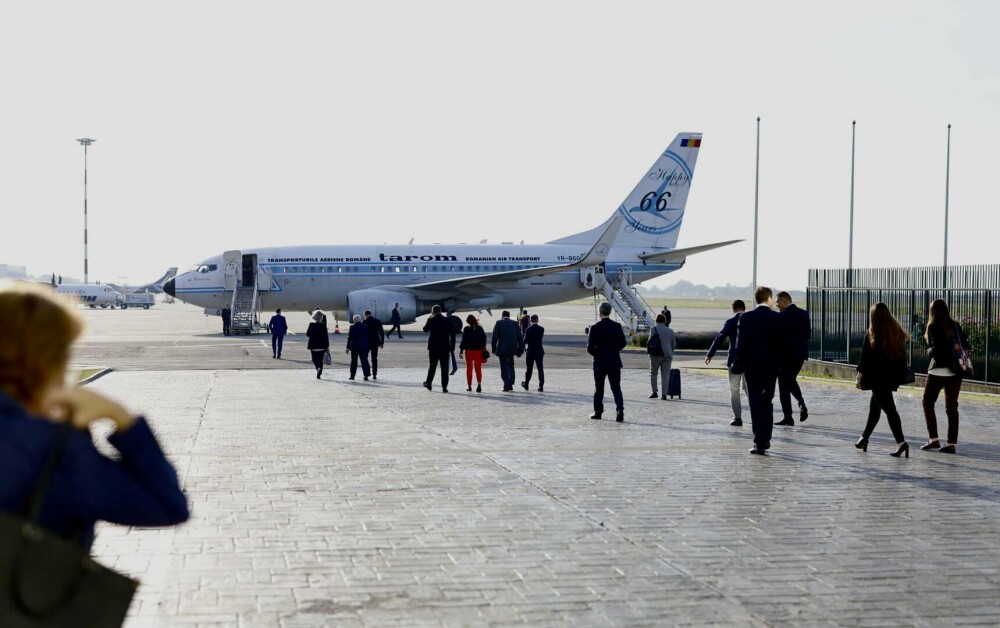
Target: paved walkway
[337, 503]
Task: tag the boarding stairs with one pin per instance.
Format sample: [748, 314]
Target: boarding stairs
[243, 319]
[625, 299]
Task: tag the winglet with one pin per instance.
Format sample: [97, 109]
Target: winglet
[599, 252]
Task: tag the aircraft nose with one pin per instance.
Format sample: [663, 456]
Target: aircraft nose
[169, 287]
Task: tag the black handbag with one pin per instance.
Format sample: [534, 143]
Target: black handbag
[47, 581]
[486, 355]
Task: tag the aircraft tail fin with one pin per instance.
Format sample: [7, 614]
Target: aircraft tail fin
[654, 210]
[167, 276]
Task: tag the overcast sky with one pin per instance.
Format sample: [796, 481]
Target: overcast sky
[223, 125]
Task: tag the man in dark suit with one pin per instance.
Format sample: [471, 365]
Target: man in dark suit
[226, 318]
[760, 349]
[797, 332]
[357, 346]
[278, 327]
[376, 340]
[394, 318]
[735, 379]
[605, 342]
[534, 352]
[440, 344]
[506, 343]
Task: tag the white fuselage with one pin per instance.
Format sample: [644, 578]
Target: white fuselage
[306, 277]
[94, 295]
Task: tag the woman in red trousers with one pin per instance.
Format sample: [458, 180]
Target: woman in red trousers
[471, 350]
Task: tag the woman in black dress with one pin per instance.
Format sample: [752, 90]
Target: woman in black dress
[881, 369]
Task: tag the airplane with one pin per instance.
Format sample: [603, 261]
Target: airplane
[92, 294]
[155, 287]
[637, 243]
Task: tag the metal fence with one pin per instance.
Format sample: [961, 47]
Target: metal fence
[839, 300]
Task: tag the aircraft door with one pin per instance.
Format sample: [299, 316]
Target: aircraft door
[592, 277]
[263, 278]
[231, 261]
[249, 274]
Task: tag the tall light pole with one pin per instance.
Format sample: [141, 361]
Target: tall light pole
[850, 250]
[947, 180]
[85, 142]
[756, 197]
[850, 253]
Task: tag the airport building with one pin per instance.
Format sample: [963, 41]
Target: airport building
[13, 272]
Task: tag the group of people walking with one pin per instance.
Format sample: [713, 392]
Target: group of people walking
[883, 367]
[767, 350]
[508, 341]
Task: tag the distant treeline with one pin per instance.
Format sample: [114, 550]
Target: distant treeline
[687, 289]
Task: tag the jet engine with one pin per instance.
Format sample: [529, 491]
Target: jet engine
[380, 302]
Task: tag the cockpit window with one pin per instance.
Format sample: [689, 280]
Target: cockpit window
[203, 268]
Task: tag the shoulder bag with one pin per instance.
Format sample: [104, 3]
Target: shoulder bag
[963, 363]
[47, 581]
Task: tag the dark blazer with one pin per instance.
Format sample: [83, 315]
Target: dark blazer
[605, 342]
[319, 338]
[533, 340]
[797, 332]
[357, 337]
[226, 314]
[140, 489]
[473, 338]
[507, 339]
[376, 332]
[394, 317]
[278, 326]
[760, 342]
[878, 371]
[442, 334]
[728, 332]
[941, 348]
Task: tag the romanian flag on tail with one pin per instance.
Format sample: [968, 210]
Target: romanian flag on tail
[692, 142]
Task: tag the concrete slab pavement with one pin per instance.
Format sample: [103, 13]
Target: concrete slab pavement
[335, 503]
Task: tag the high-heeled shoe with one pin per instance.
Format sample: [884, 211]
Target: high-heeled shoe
[862, 444]
[903, 449]
[931, 444]
[948, 449]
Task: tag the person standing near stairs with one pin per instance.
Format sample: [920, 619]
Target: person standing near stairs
[227, 317]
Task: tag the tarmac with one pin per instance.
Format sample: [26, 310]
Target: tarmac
[339, 503]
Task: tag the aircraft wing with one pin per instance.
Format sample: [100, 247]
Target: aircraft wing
[678, 255]
[597, 254]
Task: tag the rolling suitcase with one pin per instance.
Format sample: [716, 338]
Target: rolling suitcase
[674, 384]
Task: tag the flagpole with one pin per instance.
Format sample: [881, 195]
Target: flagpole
[947, 180]
[850, 253]
[850, 250]
[756, 198]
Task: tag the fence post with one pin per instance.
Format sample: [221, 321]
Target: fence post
[989, 330]
[913, 311]
[822, 323]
